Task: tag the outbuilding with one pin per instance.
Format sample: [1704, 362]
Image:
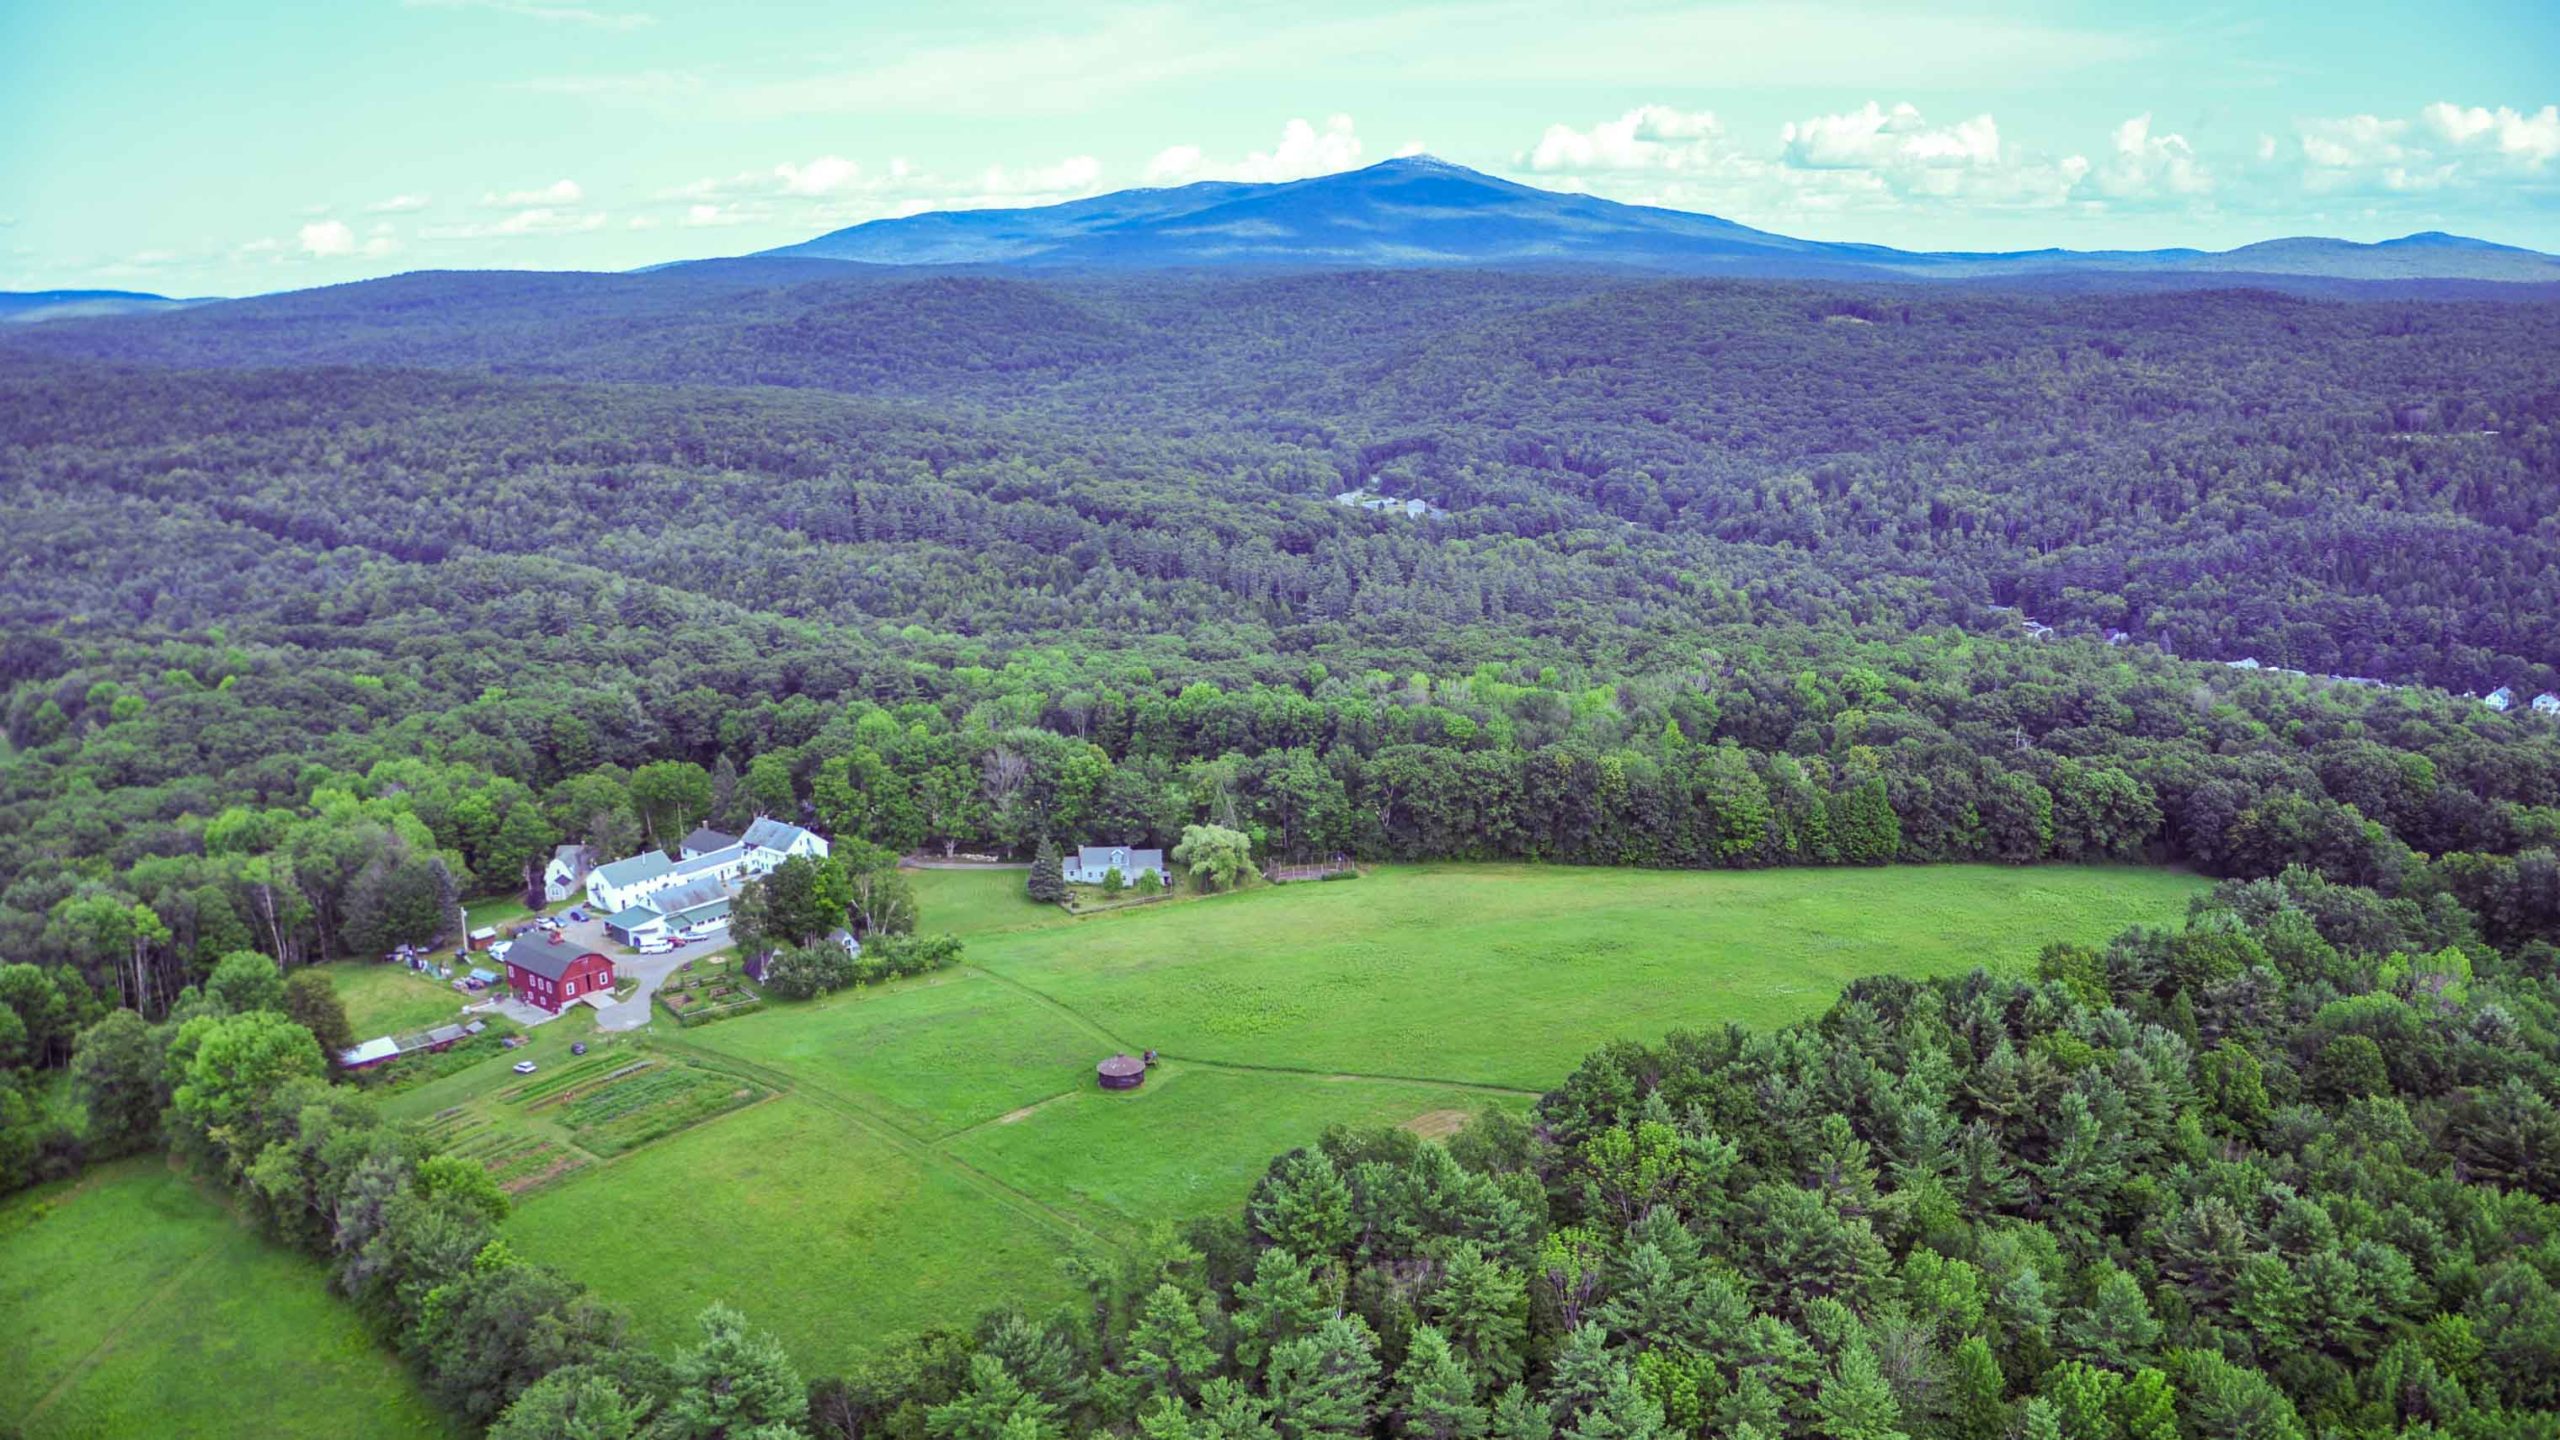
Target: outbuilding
[1121, 1072]
[552, 978]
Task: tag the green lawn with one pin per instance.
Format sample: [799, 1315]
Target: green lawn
[939, 1145]
[131, 1303]
[1192, 1140]
[932, 1056]
[970, 903]
[829, 1232]
[1509, 974]
[391, 999]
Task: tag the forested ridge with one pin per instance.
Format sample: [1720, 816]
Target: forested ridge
[325, 611]
[294, 650]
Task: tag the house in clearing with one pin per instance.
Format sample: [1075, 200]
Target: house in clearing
[767, 843]
[1092, 864]
[551, 977]
[568, 870]
[2547, 703]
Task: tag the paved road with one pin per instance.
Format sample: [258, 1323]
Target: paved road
[580, 936]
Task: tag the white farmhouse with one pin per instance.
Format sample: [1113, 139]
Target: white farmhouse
[1092, 864]
[624, 884]
[568, 870]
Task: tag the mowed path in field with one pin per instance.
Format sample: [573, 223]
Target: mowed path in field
[939, 1145]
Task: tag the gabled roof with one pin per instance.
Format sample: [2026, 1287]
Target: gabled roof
[705, 839]
[687, 896]
[553, 962]
[1103, 857]
[647, 865]
[380, 1047]
[640, 914]
[768, 833]
[574, 856]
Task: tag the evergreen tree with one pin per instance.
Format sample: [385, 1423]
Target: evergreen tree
[1323, 1386]
[1435, 1392]
[736, 1385]
[1047, 882]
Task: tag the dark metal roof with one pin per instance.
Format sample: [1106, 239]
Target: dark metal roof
[551, 962]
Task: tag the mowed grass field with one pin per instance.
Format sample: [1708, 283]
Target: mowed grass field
[938, 1146]
[132, 1303]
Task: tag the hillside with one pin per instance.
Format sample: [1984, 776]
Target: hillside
[1420, 211]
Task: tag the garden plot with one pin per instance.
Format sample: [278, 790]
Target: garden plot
[546, 1128]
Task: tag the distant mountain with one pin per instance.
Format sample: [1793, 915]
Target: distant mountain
[1422, 211]
[21, 307]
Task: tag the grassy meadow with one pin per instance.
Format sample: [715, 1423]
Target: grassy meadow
[130, 1298]
[918, 1151]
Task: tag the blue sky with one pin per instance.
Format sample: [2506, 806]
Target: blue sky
[221, 147]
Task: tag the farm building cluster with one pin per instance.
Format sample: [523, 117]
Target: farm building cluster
[648, 899]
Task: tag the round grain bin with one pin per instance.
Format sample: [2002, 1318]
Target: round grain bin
[1121, 1072]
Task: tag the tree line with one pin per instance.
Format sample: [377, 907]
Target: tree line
[2288, 1170]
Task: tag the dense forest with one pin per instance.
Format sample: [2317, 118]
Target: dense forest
[327, 610]
[294, 655]
[2289, 1171]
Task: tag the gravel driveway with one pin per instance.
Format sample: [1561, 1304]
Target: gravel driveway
[580, 936]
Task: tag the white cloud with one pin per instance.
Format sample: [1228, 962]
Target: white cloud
[558, 192]
[2144, 166]
[2531, 140]
[1649, 137]
[327, 239]
[709, 216]
[1874, 138]
[535, 10]
[397, 205]
[2445, 147]
[1302, 151]
[823, 176]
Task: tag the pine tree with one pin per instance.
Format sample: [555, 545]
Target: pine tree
[2146, 1408]
[1279, 1304]
[1517, 1416]
[1854, 1402]
[1977, 1403]
[1483, 1307]
[1169, 1352]
[1435, 1392]
[736, 1382]
[1324, 1385]
[1047, 882]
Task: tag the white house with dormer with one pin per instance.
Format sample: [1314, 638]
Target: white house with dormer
[1093, 864]
[624, 884]
[570, 865]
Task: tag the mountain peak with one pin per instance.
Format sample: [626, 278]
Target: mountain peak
[1422, 210]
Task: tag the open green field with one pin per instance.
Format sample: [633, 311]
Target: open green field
[131, 1303]
[913, 1153]
[391, 999]
[1509, 974]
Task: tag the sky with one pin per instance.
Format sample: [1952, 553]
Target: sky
[220, 147]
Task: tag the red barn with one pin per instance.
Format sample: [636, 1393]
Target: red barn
[541, 975]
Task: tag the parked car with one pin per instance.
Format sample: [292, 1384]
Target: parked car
[578, 915]
[525, 1067]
